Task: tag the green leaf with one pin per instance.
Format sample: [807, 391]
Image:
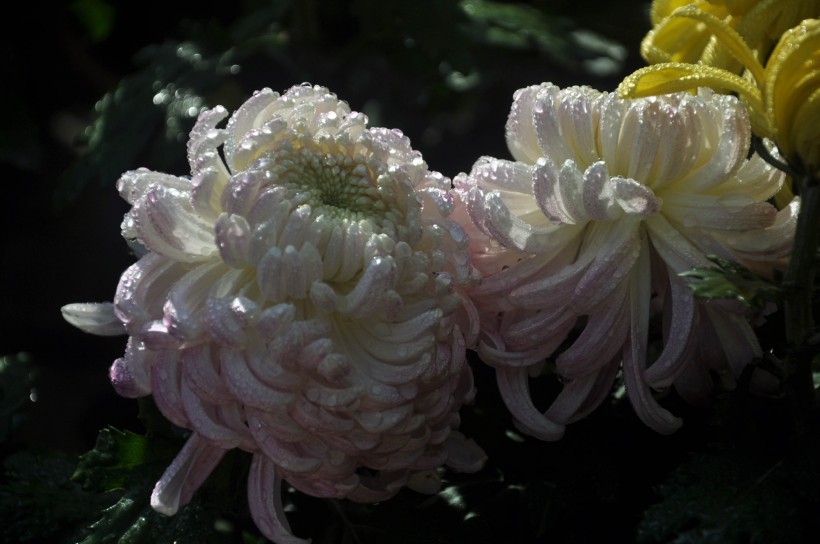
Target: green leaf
[520, 26]
[133, 463]
[131, 520]
[731, 280]
[38, 501]
[118, 456]
[145, 121]
[97, 16]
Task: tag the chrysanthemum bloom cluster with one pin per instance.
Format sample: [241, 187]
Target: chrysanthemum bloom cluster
[300, 299]
[675, 37]
[583, 236]
[780, 86]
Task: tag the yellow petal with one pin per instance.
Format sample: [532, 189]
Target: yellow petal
[663, 8]
[791, 92]
[675, 39]
[726, 36]
[675, 77]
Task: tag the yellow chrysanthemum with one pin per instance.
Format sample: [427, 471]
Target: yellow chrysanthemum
[675, 37]
[792, 94]
[782, 97]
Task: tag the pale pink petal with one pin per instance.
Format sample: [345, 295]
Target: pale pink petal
[521, 137]
[601, 338]
[186, 302]
[204, 421]
[639, 139]
[244, 119]
[612, 264]
[131, 374]
[185, 475]
[245, 386]
[679, 337]
[579, 119]
[204, 140]
[580, 396]
[546, 119]
[675, 250]
[165, 383]
[265, 502]
[635, 199]
[737, 212]
[167, 224]
[514, 387]
[200, 372]
[730, 145]
[134, 185]
[142, 290]
[94, 318]
[233, 236]
[634, 363]
[600, 391]
[284, 453]
[542, 332]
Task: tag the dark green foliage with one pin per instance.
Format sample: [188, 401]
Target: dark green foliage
[148, 116]
[737, 496]
[119, 457]
[133, 463]
[38, 501]
[731, 280]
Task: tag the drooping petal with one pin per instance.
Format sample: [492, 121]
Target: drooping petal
[678, 339]
[182, 478]
[515, 391]
[265, 502]
[634, 364]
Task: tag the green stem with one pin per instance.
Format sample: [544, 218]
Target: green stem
[798, 284]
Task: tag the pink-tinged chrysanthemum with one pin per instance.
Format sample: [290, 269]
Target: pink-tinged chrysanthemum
[300, 298]
[582, 238]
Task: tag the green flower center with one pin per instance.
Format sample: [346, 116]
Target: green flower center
[341, 184]
[331, 182]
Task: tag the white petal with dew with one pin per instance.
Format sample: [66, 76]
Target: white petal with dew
[187, 473]
[94, 318]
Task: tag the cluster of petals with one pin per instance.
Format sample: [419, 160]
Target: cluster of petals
[582, 238]
[780, 86]
[759, 23]
[300, 297]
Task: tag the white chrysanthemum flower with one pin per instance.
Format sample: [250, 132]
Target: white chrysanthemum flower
[582, 239]
[299, 299]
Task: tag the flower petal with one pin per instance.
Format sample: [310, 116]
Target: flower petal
[94, 318]
[515, 391]
[265, 502]
[634, 363]
[190, 469]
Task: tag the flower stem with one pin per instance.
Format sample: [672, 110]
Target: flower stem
[798, 284]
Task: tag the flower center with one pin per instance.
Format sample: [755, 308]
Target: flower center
[334, 183]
